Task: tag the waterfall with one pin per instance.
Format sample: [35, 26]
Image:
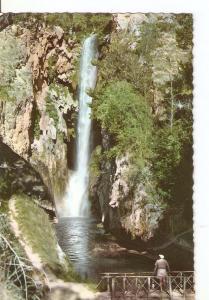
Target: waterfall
[77, 190]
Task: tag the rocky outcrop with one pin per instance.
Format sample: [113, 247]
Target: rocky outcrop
[131, 206]
[36, 94]
[130, 21]
[5, 20]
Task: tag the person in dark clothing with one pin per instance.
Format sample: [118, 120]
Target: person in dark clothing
[161, 270]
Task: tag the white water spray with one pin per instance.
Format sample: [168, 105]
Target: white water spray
[77, 191]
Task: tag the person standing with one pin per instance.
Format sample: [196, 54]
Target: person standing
[161, 270]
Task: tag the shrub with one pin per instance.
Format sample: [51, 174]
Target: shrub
[126, 116]
[51, 110]
[51, 67]
[36, 128]
[169, 148]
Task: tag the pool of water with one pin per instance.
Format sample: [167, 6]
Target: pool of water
[79, 236]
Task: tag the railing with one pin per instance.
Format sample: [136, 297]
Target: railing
[145, 285]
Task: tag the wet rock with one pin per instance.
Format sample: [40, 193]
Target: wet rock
[112, 250]
[134, 252]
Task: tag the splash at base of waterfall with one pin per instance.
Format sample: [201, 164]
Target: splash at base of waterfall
[78, 194]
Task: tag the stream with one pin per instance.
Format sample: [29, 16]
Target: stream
[79, 237]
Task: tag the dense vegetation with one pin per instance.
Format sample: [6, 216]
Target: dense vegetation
[16, 280]
[135, 128]
[74, 25]
[144, 101]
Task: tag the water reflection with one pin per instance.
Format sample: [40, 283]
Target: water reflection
[79, 236]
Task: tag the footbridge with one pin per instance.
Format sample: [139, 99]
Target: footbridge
[143, 285]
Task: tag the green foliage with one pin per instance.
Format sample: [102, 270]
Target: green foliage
[81, 24]
[85, 24]
[95, 161]
[149, 40]
[16, 270]
[58, 95]
[8, 290]
[71, 133]
[36, 128]
[166, 23]
[126, 116]
[28, 19]
[59, 90]
[56, 19]
[184, 30]
[5, 184]
[51, 68]
[168, 153]
[22, 88]
[13, 54]
[166, 58]
[172, 163]
[121, 62]
[51, 110]
[75, 76]
[4, 93]
[37, 230]
[157, 158]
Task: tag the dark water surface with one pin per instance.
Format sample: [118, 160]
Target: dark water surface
[79, 236]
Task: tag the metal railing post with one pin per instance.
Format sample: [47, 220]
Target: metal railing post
[113, 287]
[108, 284]
[184, 287]
[124, 283]
[170, 286]
[148, 289]
[182, 280]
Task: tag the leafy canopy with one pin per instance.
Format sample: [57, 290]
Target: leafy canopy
[121, 62]
[82, 24]
[126, 116]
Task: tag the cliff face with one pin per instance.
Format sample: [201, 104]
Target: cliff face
[126, 204]
[33, 107]
[130, 201]
[38, 107]
[139, 212]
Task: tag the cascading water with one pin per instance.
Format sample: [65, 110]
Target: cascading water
[77, 191]
[77, 232]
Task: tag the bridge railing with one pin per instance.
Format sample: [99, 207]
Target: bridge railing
[144, 284]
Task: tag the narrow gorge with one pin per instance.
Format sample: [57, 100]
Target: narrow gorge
[95, 147]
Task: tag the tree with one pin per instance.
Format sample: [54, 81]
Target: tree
[120, 61]
[166, 67]
[127, 117]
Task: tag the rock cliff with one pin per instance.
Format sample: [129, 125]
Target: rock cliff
[38, 106]
[127, 200]
[35, 106]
